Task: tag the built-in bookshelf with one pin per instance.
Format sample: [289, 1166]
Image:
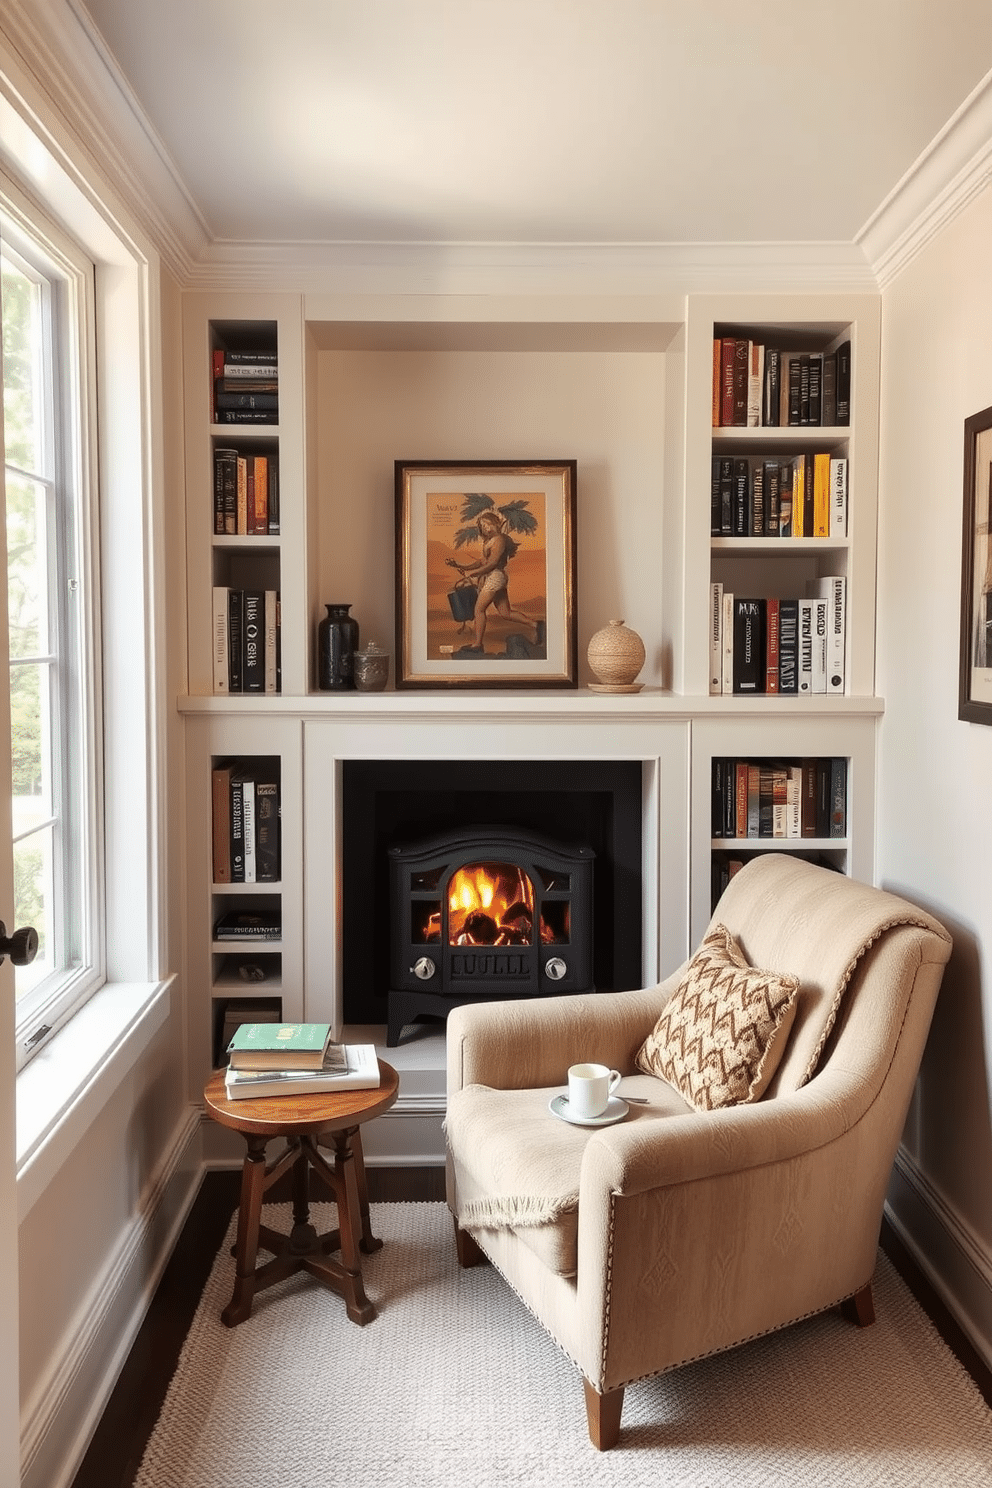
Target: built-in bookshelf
[334, 467]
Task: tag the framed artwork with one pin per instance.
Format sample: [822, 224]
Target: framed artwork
[975, 692]
[485, 573]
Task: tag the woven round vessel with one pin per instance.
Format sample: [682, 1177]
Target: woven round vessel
[616, 654]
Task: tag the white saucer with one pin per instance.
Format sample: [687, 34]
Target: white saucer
[616, 1110]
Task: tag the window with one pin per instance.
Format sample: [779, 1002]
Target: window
[51, 598]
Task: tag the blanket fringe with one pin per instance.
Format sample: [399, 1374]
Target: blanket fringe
[515, 1212]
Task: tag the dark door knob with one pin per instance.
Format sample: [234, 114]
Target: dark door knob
[21, 947]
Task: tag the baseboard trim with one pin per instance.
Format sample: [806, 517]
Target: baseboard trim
[945, 1248]
[65, 1408]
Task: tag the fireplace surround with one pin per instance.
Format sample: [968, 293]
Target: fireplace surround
[395, 806]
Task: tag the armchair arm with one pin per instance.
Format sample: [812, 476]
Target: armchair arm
[531, 1043]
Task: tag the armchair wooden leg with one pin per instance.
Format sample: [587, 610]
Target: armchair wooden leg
[603, 1414]
[469, 1253]
[860, 1308]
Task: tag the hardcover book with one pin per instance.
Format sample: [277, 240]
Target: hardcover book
[279, 1046]
[345, 1067]
[249, 924]
[749, 645]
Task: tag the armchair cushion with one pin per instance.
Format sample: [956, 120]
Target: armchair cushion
[722, 1033]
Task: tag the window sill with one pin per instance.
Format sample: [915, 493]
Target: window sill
[66, 1085]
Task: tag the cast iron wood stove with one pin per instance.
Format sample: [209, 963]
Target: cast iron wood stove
[486, 913]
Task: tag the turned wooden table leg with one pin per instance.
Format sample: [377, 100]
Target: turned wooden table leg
[368, 1243]
[357, 1304]
[246, 1246]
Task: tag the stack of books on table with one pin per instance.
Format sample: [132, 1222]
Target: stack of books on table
[268, 1059]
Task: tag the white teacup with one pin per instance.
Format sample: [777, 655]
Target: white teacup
[589, 1089]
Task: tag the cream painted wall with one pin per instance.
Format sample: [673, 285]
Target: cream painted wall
[606, 411]
[935, 776]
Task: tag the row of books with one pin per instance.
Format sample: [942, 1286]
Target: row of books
[759, 386]
[244, 387]
[802, 496]
[246, 494]
[245, 807]
[278, 1059]
[797, 798]
[247, 650]
[773, 645]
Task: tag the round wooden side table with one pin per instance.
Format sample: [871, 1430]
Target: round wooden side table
[307, 1123]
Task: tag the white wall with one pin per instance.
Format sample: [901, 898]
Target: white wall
[935, 775]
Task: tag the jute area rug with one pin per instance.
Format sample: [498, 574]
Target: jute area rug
[455, 1385]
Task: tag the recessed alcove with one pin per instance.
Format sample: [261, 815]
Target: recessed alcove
[385, 803]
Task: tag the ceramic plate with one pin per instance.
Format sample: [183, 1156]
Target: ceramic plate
[616, 1110]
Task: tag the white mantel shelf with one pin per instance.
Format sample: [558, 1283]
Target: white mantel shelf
[567, 705]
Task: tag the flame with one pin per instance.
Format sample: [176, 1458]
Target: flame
[490, 890]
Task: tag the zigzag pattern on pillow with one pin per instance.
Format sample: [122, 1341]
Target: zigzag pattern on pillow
[722, 1033]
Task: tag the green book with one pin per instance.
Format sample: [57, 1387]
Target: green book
[287, 1046]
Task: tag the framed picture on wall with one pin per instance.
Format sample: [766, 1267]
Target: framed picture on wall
[975, 691]
[485, 573]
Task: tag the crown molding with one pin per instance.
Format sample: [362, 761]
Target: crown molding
[83, 103]
[950, 173]
[534, 268]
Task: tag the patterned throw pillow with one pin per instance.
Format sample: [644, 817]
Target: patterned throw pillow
[723, 1031]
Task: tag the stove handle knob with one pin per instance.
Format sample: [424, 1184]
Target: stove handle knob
[556, 969]
[424, 968]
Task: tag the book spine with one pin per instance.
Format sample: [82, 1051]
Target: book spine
[716, 639]
[798, 497]
[251, 372]
[254, 641]
[834, 593]
[771, 412]
[815, 389]
[808, 804]
[838, 496]
[726, 496]
[728, 642]
[267, 831]
[804, 390]
[821, 495]
[740, 383]
[247, 400]
[757, 525]
[740, 798]
[805, 666]
[261, 492]
[749, 646]
[742, 497]
[823, 773]
[250, 358]
[794, 391]
[273, 496]
[225, 492]
[715, 525]
[786, 487]
[838, 798]
[241, 520]
[772, 497]
[245, 416]
[753, 801]
[221, 661]
[271, 640]
[248, 830]
[728, 350]
[237, 819]
[828, 412]
[808, 495]
[772, 626]
[220, 784]
[844, 383]
[788, 646]
[718, 778]
[819, 626]
[755, 378]
[235, 638]
[794, 797]
[717, 380]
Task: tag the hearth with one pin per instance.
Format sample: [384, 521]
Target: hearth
[593, 804]
[486, 912]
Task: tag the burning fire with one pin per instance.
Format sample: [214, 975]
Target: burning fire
[492, 904]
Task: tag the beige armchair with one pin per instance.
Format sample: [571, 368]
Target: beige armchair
[680, 1232]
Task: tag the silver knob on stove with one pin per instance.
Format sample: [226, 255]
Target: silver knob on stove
[424, 968]
[556, 969]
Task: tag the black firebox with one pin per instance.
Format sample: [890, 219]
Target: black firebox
[483, 913]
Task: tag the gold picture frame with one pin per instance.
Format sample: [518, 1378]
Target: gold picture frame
[975, 687]
[485, 573]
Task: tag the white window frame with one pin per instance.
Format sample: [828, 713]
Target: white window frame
[69, 372]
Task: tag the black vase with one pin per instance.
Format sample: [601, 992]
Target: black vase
[337, 642]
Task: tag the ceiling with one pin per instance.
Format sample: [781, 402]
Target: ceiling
[542, 121]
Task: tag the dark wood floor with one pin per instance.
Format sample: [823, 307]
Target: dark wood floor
[115, 1452]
